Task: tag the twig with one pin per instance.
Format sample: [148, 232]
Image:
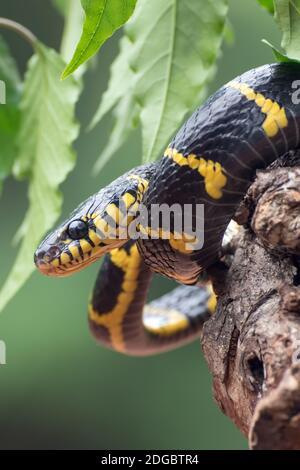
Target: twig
[19, 29]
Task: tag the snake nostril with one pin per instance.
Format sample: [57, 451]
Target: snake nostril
[53, 252]
[39, 255]
[42, 256]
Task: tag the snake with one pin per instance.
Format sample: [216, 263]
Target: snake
[210, 163]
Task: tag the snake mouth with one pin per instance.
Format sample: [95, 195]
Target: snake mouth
[65, 270]
[56, 268]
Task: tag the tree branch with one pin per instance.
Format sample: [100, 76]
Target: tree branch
[252, 343]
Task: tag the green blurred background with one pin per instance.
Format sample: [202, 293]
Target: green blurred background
[59, 389]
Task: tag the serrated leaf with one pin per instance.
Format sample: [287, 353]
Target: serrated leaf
[45, 155]
[120, 83]
[279, 55]
[125, 114]
[73, 15]
[172, 79]
[268, 5]
[287, 15]
[9, 112]
[170, 59]
[103, 18]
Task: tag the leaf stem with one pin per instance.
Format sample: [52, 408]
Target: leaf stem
[24, 32]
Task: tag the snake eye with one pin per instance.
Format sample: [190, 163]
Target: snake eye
[77, 229]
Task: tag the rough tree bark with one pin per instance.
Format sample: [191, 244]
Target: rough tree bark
[252, 343]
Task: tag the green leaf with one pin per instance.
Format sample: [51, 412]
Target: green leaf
[169, 61]
[73, 20]
[73, 14]
[119, 95]
[120, 83]
[45, 155]
[9, 112]
[125, 114]
[279, 55]
[103, 18]
[268, 5]
[287, 15]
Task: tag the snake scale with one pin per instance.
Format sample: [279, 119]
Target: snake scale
[211, 161]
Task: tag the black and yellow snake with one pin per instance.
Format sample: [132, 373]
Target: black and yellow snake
[211, 161]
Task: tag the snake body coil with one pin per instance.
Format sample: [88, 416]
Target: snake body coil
[211, 161]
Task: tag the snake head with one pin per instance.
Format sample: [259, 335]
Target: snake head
[96, 227]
